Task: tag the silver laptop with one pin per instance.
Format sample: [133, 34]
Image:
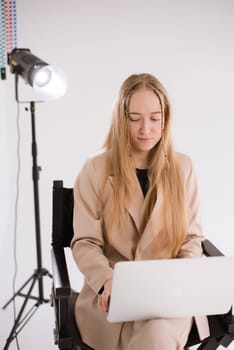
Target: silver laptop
[171, 288]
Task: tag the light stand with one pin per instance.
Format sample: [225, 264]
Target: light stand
[39, 273]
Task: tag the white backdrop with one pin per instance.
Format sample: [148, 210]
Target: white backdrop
[188, 44]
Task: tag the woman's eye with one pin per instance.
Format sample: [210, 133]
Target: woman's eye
[155, 119]
[134, 119]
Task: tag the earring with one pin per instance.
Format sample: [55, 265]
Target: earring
[129, 147]
[163, 149]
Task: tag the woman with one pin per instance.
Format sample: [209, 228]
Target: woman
[135, 200]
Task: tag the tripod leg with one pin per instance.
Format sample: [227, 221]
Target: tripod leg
[49, 274]
[17, 321]
[18, 292]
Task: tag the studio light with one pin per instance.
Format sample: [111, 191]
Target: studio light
[48, 81]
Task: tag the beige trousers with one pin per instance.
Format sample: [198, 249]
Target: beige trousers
[155, 334]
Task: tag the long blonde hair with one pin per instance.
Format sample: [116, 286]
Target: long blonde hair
[163, 171]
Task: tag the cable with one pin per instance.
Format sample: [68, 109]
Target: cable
[16, 215]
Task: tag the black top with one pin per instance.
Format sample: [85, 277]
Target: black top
[142, 175]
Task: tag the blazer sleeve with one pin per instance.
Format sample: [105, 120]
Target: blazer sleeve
[88, 242]
[192, 244]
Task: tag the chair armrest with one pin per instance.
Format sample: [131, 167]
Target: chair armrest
[61, 282]
[209, 249]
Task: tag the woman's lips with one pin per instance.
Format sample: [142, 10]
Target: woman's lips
[145, 139]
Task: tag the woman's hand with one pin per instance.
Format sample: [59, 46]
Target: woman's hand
[104, 298]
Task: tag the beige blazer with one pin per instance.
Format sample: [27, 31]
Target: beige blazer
[96, 258]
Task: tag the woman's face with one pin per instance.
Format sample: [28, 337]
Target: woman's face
[145, 122]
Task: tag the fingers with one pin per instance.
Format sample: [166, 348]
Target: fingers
[103, 301]
[104, 298]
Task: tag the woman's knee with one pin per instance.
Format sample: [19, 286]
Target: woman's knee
[160, 334]
[151, 334]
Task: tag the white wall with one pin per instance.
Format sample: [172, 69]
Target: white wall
[188, 44]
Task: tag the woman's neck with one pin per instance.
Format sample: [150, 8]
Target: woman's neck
[141, 161]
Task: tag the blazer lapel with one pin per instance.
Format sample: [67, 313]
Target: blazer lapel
[136, 205]
[153, 226]
[136, 210]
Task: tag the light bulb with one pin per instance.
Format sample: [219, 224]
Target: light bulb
[42, 77]
[52, 84]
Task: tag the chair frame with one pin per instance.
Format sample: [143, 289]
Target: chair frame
[66, 333]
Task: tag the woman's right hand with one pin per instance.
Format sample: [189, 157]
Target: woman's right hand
[104, 298]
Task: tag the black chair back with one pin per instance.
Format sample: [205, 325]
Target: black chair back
[62, 222]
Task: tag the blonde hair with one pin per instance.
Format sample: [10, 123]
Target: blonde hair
[163, 171]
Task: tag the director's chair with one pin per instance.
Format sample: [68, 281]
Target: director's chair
[66, 333]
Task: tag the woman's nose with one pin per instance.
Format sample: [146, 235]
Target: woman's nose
[145, 126]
